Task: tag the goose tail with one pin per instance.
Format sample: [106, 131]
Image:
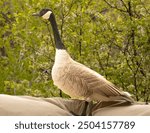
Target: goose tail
[124, 96]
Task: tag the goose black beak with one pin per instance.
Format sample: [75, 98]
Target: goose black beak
[36, 14]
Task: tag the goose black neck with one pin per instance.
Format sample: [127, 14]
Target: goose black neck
[58, 42]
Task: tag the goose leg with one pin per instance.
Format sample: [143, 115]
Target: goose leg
[89, 108]
[87, 111]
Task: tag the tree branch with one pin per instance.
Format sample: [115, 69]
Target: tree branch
[115, 7]
[124, 5]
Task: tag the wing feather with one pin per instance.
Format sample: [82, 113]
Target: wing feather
[81, 81]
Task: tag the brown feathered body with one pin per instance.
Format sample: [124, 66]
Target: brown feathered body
[79, 81]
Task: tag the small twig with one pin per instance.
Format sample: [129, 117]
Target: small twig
[71, 5]
[145, 7]
[124, 5]
[115, 7]
[5, 17]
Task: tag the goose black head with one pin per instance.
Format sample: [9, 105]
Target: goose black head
[44, 13]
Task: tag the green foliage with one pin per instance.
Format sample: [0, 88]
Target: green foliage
[110, 36]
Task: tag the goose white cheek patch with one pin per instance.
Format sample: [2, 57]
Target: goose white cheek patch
[47, 15]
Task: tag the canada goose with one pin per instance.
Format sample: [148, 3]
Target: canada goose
[75, 79]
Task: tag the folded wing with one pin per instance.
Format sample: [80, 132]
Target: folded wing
[81, 81]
